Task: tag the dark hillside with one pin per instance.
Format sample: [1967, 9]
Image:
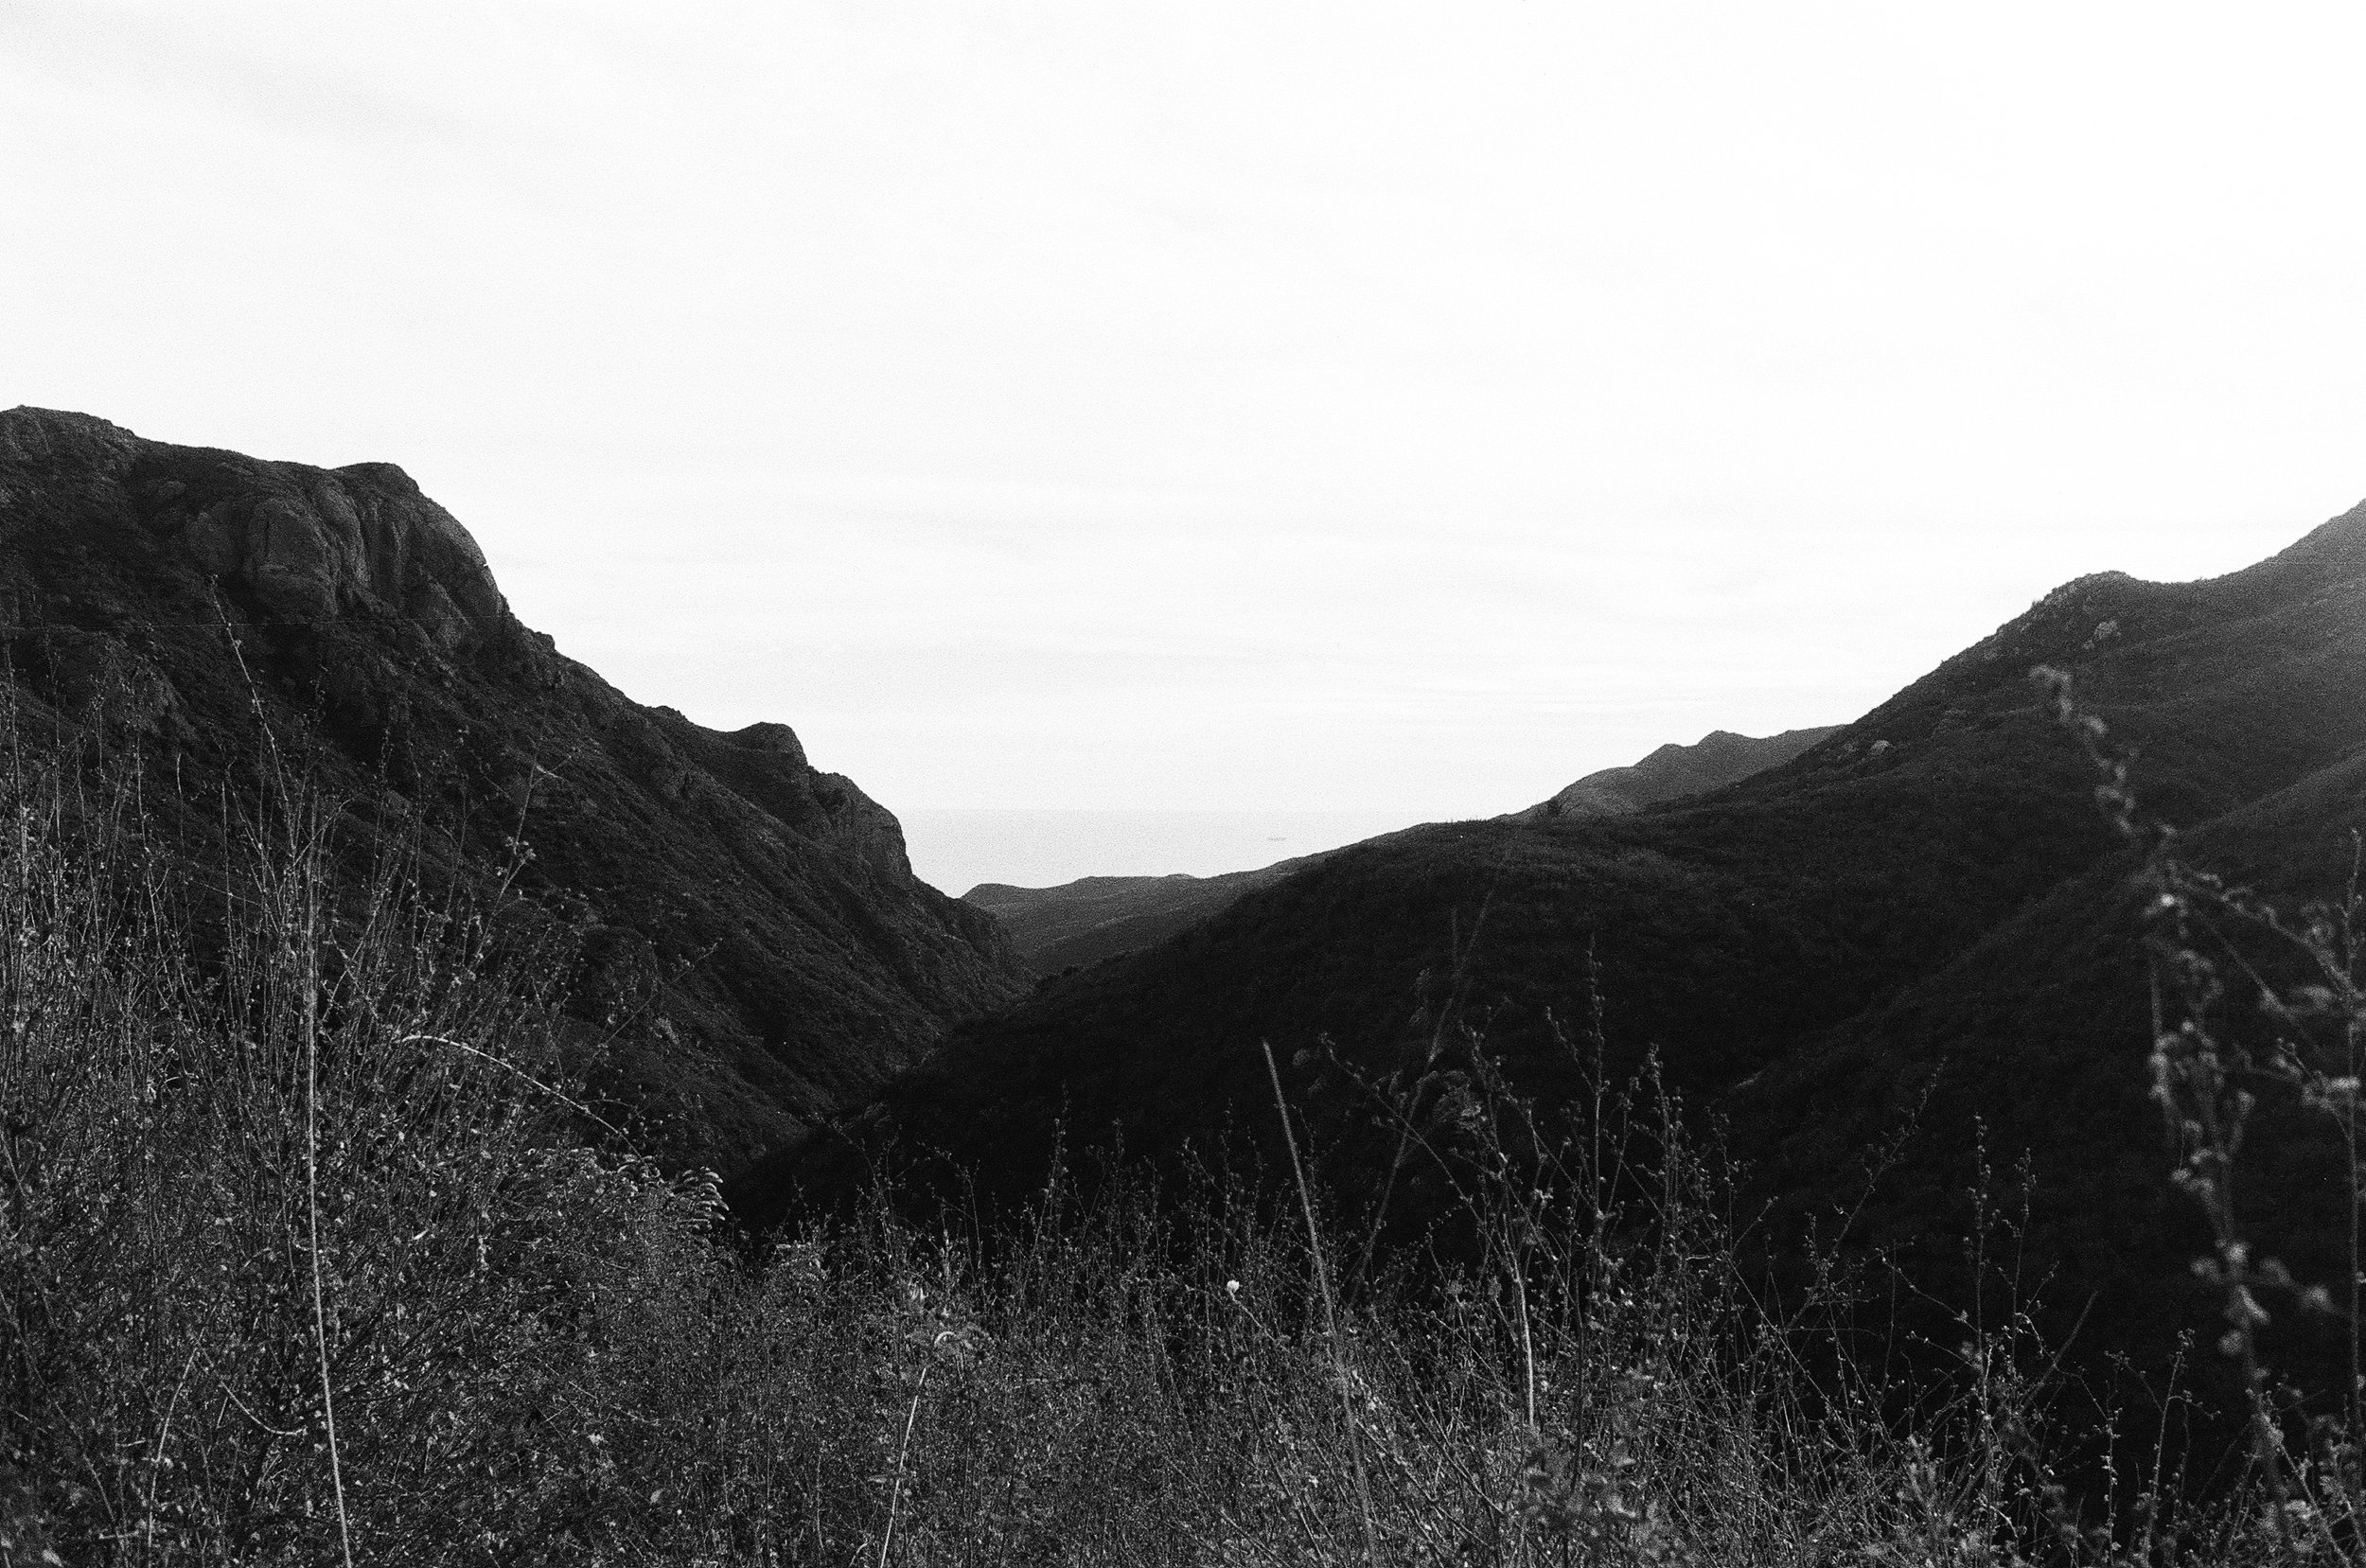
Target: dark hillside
[1099, 917]
[2038, 1038]
[755, 951]
[1803, 948]
[1723, 933]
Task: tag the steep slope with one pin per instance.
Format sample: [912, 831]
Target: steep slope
[1803, 949]
[1099, 917]
[2038, 1039]
[755, 951]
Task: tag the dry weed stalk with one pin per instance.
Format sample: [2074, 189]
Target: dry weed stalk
[1331, 1316]
[2207, 1084]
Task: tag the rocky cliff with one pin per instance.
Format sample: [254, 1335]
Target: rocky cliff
[754, 950]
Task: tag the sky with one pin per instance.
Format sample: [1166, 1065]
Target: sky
[1273, 406]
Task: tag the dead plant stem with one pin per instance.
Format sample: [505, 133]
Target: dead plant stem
[1330, 1311]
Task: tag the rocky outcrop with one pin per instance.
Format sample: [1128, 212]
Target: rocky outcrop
[751, 944]
[304, 542]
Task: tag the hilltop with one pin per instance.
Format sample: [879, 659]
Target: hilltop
[1716, 759]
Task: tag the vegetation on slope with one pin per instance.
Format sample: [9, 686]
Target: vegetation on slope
[1098, 917]
[307, 1255]
[1716, 759]
[1083, 921]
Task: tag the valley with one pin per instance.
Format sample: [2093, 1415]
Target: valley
[364, 939]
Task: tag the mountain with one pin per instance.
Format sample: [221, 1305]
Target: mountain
[1918, 931]
[1674, 771]
[753, 951]
[1099, 917]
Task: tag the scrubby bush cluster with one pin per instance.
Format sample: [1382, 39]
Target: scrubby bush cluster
[308, 1253]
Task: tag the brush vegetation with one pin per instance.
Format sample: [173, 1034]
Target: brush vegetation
[310, 1251]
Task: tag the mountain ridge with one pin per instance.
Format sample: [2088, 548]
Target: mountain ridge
[1094, 918]
[754, 949]
[1926, 895]
[1673, 771]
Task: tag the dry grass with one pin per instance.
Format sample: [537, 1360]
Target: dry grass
[540, 1351]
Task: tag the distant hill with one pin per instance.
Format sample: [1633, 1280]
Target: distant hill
[1099, 917]
[1719, 757]
[754, 951]
[1918, 921]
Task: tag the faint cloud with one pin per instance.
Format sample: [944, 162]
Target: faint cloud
[229, 59]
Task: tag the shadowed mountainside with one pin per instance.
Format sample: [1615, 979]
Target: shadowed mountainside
[754, 949]
[1922, 908]
[1099, 917]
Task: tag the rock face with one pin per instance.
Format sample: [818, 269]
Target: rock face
[751, 924]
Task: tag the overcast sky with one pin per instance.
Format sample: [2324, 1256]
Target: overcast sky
[1134, 404]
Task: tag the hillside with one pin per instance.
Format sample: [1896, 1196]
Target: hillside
[1099, 917]
[1716, 759]
[1930, 890]
[1096, 917]
[752, 950]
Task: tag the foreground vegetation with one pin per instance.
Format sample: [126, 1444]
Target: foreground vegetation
[310, 1253]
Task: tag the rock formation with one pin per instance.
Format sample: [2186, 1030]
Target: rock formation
[754, 950]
